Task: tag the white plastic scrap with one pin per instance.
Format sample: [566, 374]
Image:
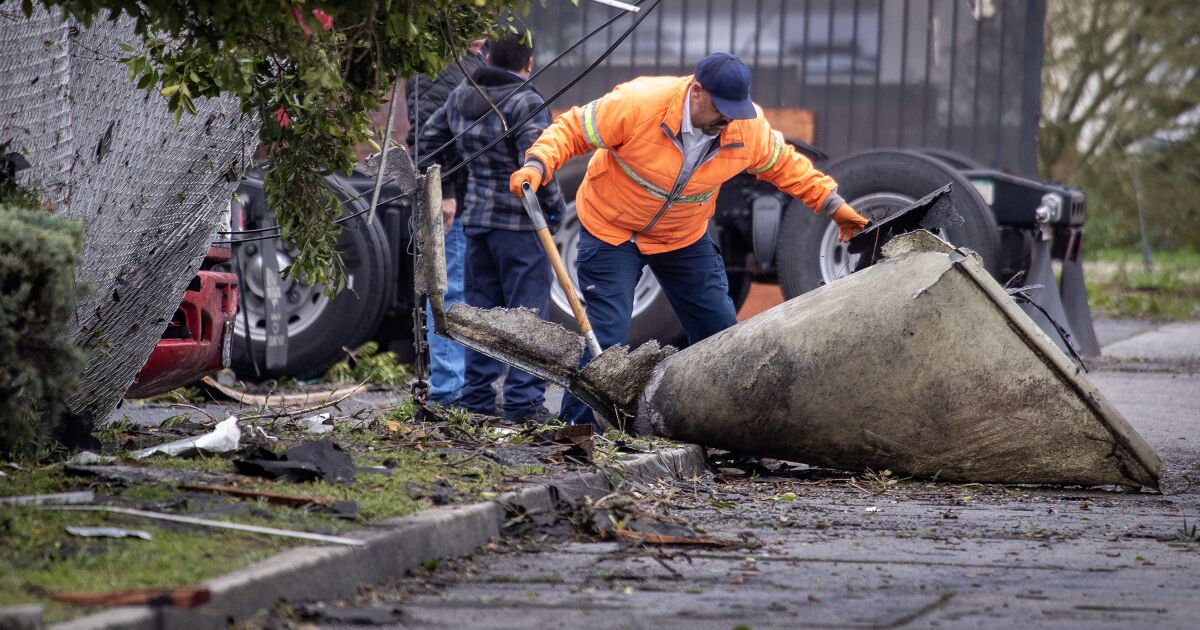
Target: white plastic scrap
[203, 522]
[87, 458]
[316, 424]
[223, 438]
[109, 532]
[61, 498]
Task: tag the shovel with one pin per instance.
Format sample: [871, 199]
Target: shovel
[534, 210]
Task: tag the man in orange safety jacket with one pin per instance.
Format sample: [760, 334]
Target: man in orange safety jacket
[663, 148]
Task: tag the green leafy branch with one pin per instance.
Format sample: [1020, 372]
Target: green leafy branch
[312, 73]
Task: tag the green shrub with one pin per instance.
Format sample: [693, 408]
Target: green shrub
[39, 365]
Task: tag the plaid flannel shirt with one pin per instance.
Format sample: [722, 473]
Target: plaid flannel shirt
[489, 203]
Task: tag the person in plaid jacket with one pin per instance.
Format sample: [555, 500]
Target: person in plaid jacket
[505, 264]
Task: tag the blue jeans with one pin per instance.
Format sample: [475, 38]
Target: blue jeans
[693, 279]
[447, 359]
[509, 269]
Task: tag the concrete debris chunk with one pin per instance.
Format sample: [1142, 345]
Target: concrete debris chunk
[400, 171]
[550, 350]
[622, 373]
[920, 364]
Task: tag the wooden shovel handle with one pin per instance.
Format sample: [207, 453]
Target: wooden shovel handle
[564, 280]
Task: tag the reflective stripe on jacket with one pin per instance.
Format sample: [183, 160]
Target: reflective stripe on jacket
[628, 193]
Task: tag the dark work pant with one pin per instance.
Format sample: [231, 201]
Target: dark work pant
[693, 279]
[504, 268]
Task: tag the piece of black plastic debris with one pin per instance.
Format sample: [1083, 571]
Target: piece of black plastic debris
[934, 211]
[439, 492]
[340, 509]
[307, 462]
[133, 475]
[75, 432]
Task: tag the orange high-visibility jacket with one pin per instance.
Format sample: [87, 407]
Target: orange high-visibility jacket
[630, 192]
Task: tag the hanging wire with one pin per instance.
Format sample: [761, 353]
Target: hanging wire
[416, 156]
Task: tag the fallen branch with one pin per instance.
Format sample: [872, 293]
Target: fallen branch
[285, 400]
[291, 500]
[179, 597]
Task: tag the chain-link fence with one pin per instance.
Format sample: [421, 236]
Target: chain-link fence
[149, 191]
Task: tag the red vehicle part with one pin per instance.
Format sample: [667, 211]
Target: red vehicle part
[197, 339]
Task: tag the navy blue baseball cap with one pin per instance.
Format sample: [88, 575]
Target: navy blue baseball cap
[727, 81]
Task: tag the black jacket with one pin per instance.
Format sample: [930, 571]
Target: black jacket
[433, 95]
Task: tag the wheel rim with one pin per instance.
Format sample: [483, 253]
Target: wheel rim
[836, 259]
[567, 240]
[304, 303]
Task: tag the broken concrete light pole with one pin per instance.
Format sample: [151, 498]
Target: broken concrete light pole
[920, 364]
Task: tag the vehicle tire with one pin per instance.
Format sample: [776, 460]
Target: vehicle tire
[953, 158]
[319, 328]
[875, 183]
[653, 317]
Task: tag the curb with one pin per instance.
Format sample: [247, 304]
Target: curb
[393, 547]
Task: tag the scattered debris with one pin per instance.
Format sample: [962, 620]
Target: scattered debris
[351, 615]
[87, 458]
[290, 500]
[581, 439]
[337, 509]
[61, 498]
[108, 532]
[307, 462]
[179, 597]
[176, 518]
[439, 492]
[652, 533]
[316, 424]
[223, 438]
[133, 475]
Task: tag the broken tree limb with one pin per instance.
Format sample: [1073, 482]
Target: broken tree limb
[179, 597]
[290, 500]
[277, 401]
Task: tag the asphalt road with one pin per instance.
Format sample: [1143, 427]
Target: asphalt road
[866, 553]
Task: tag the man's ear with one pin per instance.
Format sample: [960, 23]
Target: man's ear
[529, 65]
